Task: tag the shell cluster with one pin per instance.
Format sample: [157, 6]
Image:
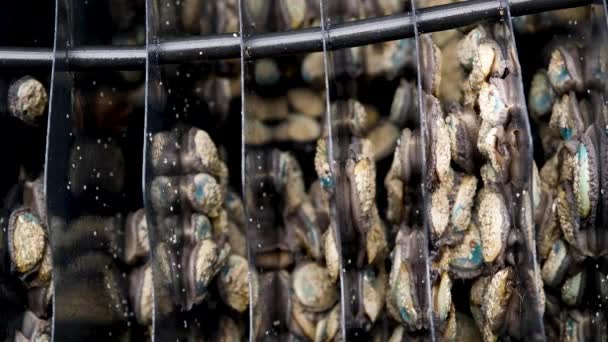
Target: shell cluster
[30, 257]
[199, 227]
[26, 269]
[469, 175]
[565, 102]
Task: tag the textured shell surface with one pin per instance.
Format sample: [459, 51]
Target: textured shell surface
[27, 240]
[497, 296]
[573, 288]
[468, 45]
[494, 224]
[463, 202]
[542, 95]
[374, 291]
[554, 267]
[443, 297]
[401, 301]
[466, 259]
[233, 281]
[313, 287]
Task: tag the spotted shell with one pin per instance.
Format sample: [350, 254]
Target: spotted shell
[198, 153]
[494, 224]
[375, 241]
[141, 288]
[203, 192]
[573, 289]
[492, 104]
[313, 287]
[205, 260]
[568, 217]
[563, 117]
[564, 71]
[463, 202]
[442, 296]
[364, 190]
[322, 164]
[440, 211]
[400, 299]
[541, 96]
[374, 292]
[466, 258]
[488, 61]
[468, 45]
[442, 151]
[585, 178]
[27, 240]
[233, 283]
[164, 152]
[332, 258]
[497, 295]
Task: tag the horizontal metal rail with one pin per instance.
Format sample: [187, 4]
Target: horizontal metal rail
[227, 45]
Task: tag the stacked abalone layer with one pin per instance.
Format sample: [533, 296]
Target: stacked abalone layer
[27, 242]
[471, 136]
[198, 238]
[567, 103]
[294, 295]
[26, 263]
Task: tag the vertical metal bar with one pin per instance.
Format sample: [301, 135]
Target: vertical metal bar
[270, 283]
[252, 321]
[601, 276]
[514, 191]
[331, 137]
[357, 81]
[57, 168]
[528, 266]
[165, 326]
[347, 239]
[283, 228]
[426, 199]
[581, 29]
[188, 103]
[171, 319]
[92, 185]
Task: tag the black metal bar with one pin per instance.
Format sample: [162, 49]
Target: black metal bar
[220, 46]
[536, 6]
[26, 58]
[226, 46]
[374, 30]
[131, 57]
[458, 14]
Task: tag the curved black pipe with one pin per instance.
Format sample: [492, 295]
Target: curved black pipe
[226, 46]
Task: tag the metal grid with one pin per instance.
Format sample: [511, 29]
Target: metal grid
[257, 46]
